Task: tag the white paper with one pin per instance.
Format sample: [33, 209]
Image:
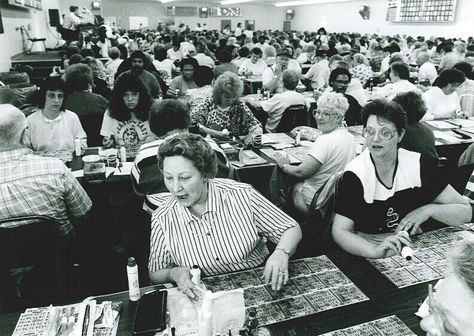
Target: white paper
[277, 138]
[229, 311]
[125, 169]
[78, 173]
[447, 136]
[440, 124]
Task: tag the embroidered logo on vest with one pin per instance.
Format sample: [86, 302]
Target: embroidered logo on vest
[392, 218]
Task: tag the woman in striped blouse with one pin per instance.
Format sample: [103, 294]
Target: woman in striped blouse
[218, 224]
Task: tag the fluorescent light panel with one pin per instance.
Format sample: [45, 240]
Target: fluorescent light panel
[166, 1]
[230, 2]
[306, 2]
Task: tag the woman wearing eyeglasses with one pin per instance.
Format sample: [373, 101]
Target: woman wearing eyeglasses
[387, 189]
[330, 153]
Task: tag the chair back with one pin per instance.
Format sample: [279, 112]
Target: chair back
[467, 104]
[294, 115]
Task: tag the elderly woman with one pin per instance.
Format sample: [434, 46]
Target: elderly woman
[53, 130]
[441, 100]
[180, 84]
[330, 153]
[217, 224]
[226, 111]
[418, 137]
[362, 69]
[387, 189]
[125, 122]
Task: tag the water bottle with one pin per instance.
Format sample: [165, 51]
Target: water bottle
[196, 275]
[77, 147]
[133, 284]
[123, 154]
[298, 138]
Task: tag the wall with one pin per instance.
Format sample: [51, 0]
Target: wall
[266, 17]
[344, 17]
[13, 18]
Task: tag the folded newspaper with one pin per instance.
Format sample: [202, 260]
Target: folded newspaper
[81, 319]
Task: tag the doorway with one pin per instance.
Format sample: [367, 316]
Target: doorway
[286, 26]
[251, 24]
[225, 23]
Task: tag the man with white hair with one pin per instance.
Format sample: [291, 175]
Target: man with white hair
[426, 69]
[34, 185]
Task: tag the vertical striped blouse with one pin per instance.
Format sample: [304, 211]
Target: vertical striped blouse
[229, 236]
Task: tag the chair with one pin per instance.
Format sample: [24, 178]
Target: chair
[294, 115]
[33, 40]
[467, 104]
[32, 241]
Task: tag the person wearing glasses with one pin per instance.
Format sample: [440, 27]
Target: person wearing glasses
[330, 153]
[387, 189]
[453, 308]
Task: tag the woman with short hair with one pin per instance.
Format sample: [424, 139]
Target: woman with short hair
[181, 84]
[217, 224]
[225, 110]
[362, 69]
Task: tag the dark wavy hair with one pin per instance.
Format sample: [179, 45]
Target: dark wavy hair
[52, 84]
[449, 76]
[168, 115]
[192, 147]
[118, 109]
[388, 110]
[413, 105]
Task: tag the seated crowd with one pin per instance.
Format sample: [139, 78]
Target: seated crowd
[199, 216]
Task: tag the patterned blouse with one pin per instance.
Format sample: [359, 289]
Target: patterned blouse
[362, 72]
[238, 119]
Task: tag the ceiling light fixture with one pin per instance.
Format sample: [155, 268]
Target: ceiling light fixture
[166, 1]
[306, 2]
[230, 2]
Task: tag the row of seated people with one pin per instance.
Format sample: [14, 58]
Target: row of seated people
[222, 225]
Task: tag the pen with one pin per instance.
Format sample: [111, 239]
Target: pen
[85, 326]
[173, 331]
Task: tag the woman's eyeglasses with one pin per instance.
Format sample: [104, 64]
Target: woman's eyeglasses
[384, 133]
[324, 115]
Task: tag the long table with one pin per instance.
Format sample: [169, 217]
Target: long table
[385, 300]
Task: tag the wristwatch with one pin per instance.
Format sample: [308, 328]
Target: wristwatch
[287, 252]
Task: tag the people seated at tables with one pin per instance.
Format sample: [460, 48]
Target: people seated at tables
[271, 77]
[453, 306]
[318, 74]
[399, 76]
[114, 62]
[202, 58]
[388, 189]
[139, 62]
[355, 88]
[339, 81]
[330, 152]
[203, 77]
[426, 70]
[100, 86]
[441, 100]
[253, 66]
[465, 91]
[163, 65]
[226, 111]
[449, 57]
[89, 107]
[167, 119]
[418, 137]
[36, 185]
[181, 84]
[52, 130]
[126, 120]
[307, 56]
[276, 105]
[243, 56]
[361, 69]
[225, 58]
[175, 53]
[231, 218]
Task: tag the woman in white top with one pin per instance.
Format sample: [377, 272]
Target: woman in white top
[442, 100]
[330, 153]
[255, 65]
[163, 65]
[53, 130]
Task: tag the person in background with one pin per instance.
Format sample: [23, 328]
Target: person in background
[241, 220]
[89, 107]
[276, 105]
[163, 65]
[399, 75]
[225, 58]
[226, 111]
[203, 76]
[453, 307]
[255, 65]
[330, 152]
[113, 63]
[426, 70]
[52, 130]
[387, 189]
[168, 118]
[181, 84]
[449, 57]
[100, 86]
[418, 137]
[202, 58]
[243, 55]
[361, 69]
[175, 54]
[126, 120]
[466, 89]
[238, 30]
[71, 22]
[318, 74]
[307, 56]
[441, 100]
[272, 76]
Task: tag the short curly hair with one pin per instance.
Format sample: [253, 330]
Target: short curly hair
[412, 104]
[78, 77]
[388, 110]
[333, 101]
[228, 84]
[192, 147]
[54, 83]
[168, 115]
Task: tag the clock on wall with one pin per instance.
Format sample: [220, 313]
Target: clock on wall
[95, 5]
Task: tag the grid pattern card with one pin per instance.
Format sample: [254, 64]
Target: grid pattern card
[429, 261]
[315, 285]
[387, 326]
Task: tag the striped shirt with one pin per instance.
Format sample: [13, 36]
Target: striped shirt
[148, 180]
[230, 235]
[35, 185]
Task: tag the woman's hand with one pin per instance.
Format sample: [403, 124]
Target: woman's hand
[182, 277]
[391, 245]
[276, 270]
[108, 141]
[412, 221]
[172, 93]
[281, 158]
